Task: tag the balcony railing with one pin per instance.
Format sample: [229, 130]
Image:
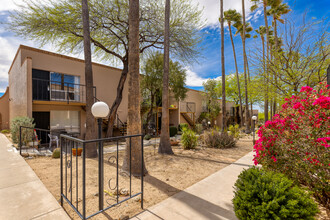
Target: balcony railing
[187, 107]
[46, 90]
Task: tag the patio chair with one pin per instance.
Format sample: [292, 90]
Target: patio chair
[53, 139]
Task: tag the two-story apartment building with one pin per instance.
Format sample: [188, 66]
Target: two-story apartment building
[50, 88]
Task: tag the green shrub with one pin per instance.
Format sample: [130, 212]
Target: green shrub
[261, 194]
[215, 139]
[198, 128]
[189, 139]
[173, 131]
[182, 126]
[56, 153]
[27, 134]
[5, 131]
[234, 131]
[147, 137]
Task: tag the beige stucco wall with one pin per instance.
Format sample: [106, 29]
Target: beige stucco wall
[18, 95]
[4, 110]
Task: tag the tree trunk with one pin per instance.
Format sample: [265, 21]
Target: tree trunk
[224, 113]
[133, 145]
[165, 143]
[91, 150]
[149, 115]
[267, 75]
[119, 97]
[237, 76]
[264, 68]
[247, 112]
[275, 61]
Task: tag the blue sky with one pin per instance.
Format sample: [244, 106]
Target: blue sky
[209, 63]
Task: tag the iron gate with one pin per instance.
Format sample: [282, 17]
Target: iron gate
[74, 173]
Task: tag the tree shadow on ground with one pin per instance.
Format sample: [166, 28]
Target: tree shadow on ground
[204, 207]
[212, 161]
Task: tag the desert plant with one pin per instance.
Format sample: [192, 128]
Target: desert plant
[182, 126]
[261, 194]
[234, 131]
[296, 142]
[56, 153]
[27, 134]
[189, 139]
[5, 131]
[198, 128]
[173, 131]
[147, 137]
[215, 139]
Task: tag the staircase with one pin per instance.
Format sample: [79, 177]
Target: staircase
[189, 119]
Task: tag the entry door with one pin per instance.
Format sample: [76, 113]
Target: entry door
[42, 120]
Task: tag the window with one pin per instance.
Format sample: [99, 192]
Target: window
[64, 87]
[65, 120]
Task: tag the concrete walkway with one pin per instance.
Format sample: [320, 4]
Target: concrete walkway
[22, 194]
[210, 198]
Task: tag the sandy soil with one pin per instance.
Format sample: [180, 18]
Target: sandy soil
[167, 175]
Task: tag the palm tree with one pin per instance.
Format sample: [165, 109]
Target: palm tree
[277, 9]
[165, 143]
[90, 121]
[243, 28]
[224, 123]
[254, 7]
[133, 146]
[232, 15]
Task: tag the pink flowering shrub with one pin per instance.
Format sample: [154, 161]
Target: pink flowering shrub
[297, 141]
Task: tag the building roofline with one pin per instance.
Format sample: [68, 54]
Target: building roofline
[5, 93]
[56, 55]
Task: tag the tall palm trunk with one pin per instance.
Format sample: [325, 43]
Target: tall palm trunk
[224, 118]
[165, 144]
[237, 76]
[90, 120]
[267, 74]
[247, 112]
[133, 145]
[276, 51]
[264, 65]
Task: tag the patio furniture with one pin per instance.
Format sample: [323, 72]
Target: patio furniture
[53, 139]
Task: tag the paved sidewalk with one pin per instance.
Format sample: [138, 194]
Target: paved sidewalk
[207, 199]
[22, 194]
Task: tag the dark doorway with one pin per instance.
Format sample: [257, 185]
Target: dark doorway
[40, 85]
[42, 121]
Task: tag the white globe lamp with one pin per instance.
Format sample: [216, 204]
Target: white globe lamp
[100, 110]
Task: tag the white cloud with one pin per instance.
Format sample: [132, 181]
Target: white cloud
[211, 11]
[194, 80]
[7, 5]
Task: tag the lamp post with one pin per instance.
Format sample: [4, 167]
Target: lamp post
[254, 118]
[209, 124]
[100, 110]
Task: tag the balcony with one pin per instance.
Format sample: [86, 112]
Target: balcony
[47, 90]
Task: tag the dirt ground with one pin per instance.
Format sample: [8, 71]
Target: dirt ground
[166, 176]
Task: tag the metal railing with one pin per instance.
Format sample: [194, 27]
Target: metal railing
[187, 107]
[74, 175]
[34, 139]
[47, 90]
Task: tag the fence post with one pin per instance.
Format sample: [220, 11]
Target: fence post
[20, 140]
[142, 170]
[84, 180]
[101, 172]
[61, 158]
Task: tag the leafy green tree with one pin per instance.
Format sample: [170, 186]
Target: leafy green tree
[59, 22]
[151, 83]
[211, 97]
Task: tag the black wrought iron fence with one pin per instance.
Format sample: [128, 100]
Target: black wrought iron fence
[34, 140]
[79, 174]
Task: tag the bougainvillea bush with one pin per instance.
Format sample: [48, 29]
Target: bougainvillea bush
[296, 141]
